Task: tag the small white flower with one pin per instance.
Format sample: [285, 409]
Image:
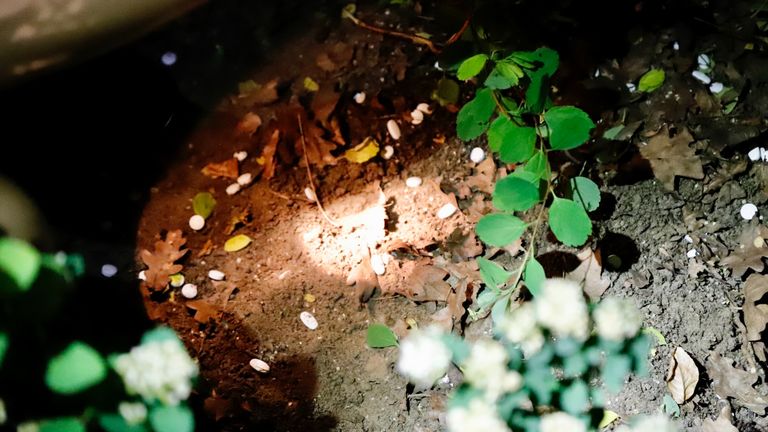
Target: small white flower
[617, 319]
[477, 416]
[561, 308]
[132, 412]
[486, 368]
[423, 357]
[520, 327]
[561, 422]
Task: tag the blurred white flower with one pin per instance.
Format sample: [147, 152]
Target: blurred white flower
[478, 416]
[486, 368]
[132, 412]
[654, 423]
[617, 319]
[561, 422]
[158, 370]
[561, 308]
[520, 327]
[424, 358]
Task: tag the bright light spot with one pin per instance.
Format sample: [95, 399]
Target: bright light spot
[169, 58]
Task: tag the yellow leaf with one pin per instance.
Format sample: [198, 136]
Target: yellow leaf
[656, 333]
[363, 152]
[608, 418]
[237, 243]
[309, 298]
[311, 85]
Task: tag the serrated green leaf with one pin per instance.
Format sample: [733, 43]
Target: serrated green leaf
[203, 204]
[569, 127]
[499, 229]
[447, 92]
[543, 59]
[172, 419]
[651, 80]
[585, 192]
[515, 194]
[62, 424]
[3, 346]
[538, 165]
[473, 117]
[380, 336]
[575, 398]
[75, 369]
[493, 275]
[513, 143]
[569, 222]
[116, 423]
[471, 66]
[534, 276]
[20, 262]
[498, 81]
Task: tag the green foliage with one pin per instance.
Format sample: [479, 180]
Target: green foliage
[203, 204]
[585, 192]
[447, 92]
[20, 262]
[172, 418]
[651, 80]
[500, 229]
[116, 423]
[514, 143]
[533, 276]
[471, 67]
[492, 274]
[75, 369]
[63, 424]
[3, 346]
[380, 336]
[515, 194]
[670, 406]
[473, 117]
[569, 127]
[569, 222]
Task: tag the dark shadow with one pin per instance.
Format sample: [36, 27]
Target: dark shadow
[618, 252]
[557, 263]
[606, 208]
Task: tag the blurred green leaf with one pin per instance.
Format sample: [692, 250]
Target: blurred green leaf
[75, 369]
[203, 204]
[380, 336]
[20, 261]
[116, 423]
[447, 92]
[615, 370]
[499, 229]
[471, 66]
[670, 406]
[651, 80]
[62, 424]
[575, 398]
[159, 334]
[172, 419]
[492, 274]
[3, 346]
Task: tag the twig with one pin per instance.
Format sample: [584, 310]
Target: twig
[309, 175]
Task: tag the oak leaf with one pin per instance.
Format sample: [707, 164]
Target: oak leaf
[227, 169]
[204, 311]
[731, 382]
[755, 312]
[750, 252]
[161, 262]
[671, 157]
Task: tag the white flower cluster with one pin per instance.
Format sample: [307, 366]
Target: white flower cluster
[486, 368]
[132, 412]
[478, 415]
[520, 327]
[424, 358]
[561, 308]
[561, 422]
[654, 423]
[158, 370]
[617, 319]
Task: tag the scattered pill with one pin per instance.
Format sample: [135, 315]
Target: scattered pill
[309, 320]
[240, 155]
[216, 275]
[259, 365]
[748, 211]
[196, 222]
[758, 153]
[692, 253]
[424, 107]
[417, 117]
[387, 152]
[245, 179]
[233, 189]
[477, 155]
[169, 58]
[446, 211]
[716, 87]
[189, 291]
[310, 194]
[359, 97]
[143, 275]
[701, 76]
[413, 182]
[108, 270]
[393, 129]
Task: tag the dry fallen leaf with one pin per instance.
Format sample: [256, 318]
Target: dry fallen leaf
[750, 252]
[204, 311]
[161, 262]
[248, 124]
[463, 245]
[364, 279]
[730, 382]
[239, 217]
[206, 249]
[682, 376]
[482, 180]
[268, 154]
[337, 56]
[227, 169]
[217, 406]
[671, 157]
[363, 152]
[722, 424]
[253, 93]
[589, 274]
[755, 311]
[426, 283]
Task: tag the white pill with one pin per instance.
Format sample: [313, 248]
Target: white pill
[233, 189]
[688, 238]
[704, 61]
[377, 262]
[388, 152]
[631, 87]
[413, 182]
[196, 222]
[424, 107]
[701, 76]
[259, 365]
[216, 275]
[748, 211]
[757, 153]
[310, 194]
[477, 155]
[359, 97]
[189, 291]
[143, 275]
[240, 156]
[716, 87]
[245, 179]
[417, 117]
[177, 280]
[446, 211]
[692, 253]
[309, 320]
[108, 270]
[169, 58]
[393, 129]
[676, 46]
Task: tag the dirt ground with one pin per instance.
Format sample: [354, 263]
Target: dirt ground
[300, 260]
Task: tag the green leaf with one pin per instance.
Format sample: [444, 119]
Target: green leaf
[585, 192]
[541, 383]
[538, 165]
[652, 331]
[670, 406]
[613, 132]
[575, 365]
[575, 398]
[534, 276]
[172, 419]
[608, 418]
[513, 143]
[62, 424]
[652, 80]
[515, 194]
[615, 370]
[3, 346]
[457, 345]
[75, 369]
[471, 66]
[203, 204]
[380, 336]
[487, 298]
[499, 229]
[473, 117]
[537, 93]
[159, 334]
[499, 310]
[20, 261]
[116, 423]
[504, 75]
[569, 127]
[447, 92]
[492, 274]
[569, 222]
[545, 60]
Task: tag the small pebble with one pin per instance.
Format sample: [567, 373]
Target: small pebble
[716, 87]
[108, 270]
[758, 153]
[177, 280]
[169, 58]
[216, 275]
[245, 179]
[477, 155]
[309, 320]
[701, 76]
[388, 152]
[413, 182]
[189, 291]
[143, 275]
[240, 156]
[310, 194]
[196, 222]
[393, 129]
[233, 189]
[259, 365]
[446, 211]
[688, 238]
[377, 262]
[692, 253]
[417, 117]
[424, 107]
[748, 211]
[359, 97]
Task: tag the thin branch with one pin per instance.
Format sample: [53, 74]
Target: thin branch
[309, 176]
